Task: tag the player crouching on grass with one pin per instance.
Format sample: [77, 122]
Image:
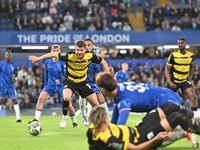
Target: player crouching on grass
[154, 128]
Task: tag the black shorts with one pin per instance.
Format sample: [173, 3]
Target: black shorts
[82, 88]
[149, 127]
[183, 86]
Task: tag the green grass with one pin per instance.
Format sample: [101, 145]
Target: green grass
[14, 136]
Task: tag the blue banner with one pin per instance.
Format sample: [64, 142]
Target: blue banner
[99, 37]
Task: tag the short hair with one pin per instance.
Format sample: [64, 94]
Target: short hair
[89, 39]
[97, 116]
[80, 43]
[106, 80]
[55, 46]
[182, 39]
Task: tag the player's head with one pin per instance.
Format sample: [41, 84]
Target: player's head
[98, 116]
[55, 48]
[89, 44]
[181, 43]
[107, 83]
[125, 67]
[8, 55]
[80, 48]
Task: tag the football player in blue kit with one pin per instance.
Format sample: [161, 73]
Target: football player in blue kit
[137, 97]
[122, 75]
[8, 73]
[92, 70]
[55, 76]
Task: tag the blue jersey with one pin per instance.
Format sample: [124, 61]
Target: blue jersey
[121, 76]
[55, 70]
[7, 71]
[139, 97]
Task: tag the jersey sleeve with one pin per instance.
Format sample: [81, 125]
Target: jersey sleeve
[170, 60]
[63, 56]
[124, 109]
[96, 59]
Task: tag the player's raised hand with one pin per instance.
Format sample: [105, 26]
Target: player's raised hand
[33, 58]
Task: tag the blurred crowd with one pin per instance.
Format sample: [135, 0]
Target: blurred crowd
[64, 15]
[177, 15]
[92, 15]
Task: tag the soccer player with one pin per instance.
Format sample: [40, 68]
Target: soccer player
[8, 73]
[92, 70]
[77, 67]
[55, 75]
[154, 128]
[122, 75]
[179, 70]
[138, 97]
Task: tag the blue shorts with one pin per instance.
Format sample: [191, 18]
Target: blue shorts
[52, 89]
[8, 90]
[94, 87]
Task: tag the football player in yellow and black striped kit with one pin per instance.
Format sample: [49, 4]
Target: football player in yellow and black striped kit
[77, 65]
[179, 70]
[149, 133]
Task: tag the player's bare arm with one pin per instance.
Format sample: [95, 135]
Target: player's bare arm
[191, 72]
[146, 145]
[168, 76]
[45, 56]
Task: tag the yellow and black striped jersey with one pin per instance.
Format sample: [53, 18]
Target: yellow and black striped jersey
[77, 68]
[180, 65]
[114, 137]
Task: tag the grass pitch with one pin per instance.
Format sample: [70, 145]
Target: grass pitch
[14, 136]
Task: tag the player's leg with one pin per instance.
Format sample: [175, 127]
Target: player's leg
[92, 99]
[72, 115]
[100, 97]
[174, 119]
[189, 93]
[12, 94]
[86, 92]
[179, 132]
[83, 109]
[102, 101]
[67, 94]
[44, 95]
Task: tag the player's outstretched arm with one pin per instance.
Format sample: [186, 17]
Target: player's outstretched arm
[45, 56]
[146, 145]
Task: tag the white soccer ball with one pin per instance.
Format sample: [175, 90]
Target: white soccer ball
[34, 128]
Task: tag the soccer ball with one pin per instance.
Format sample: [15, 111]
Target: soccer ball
[34, 128]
